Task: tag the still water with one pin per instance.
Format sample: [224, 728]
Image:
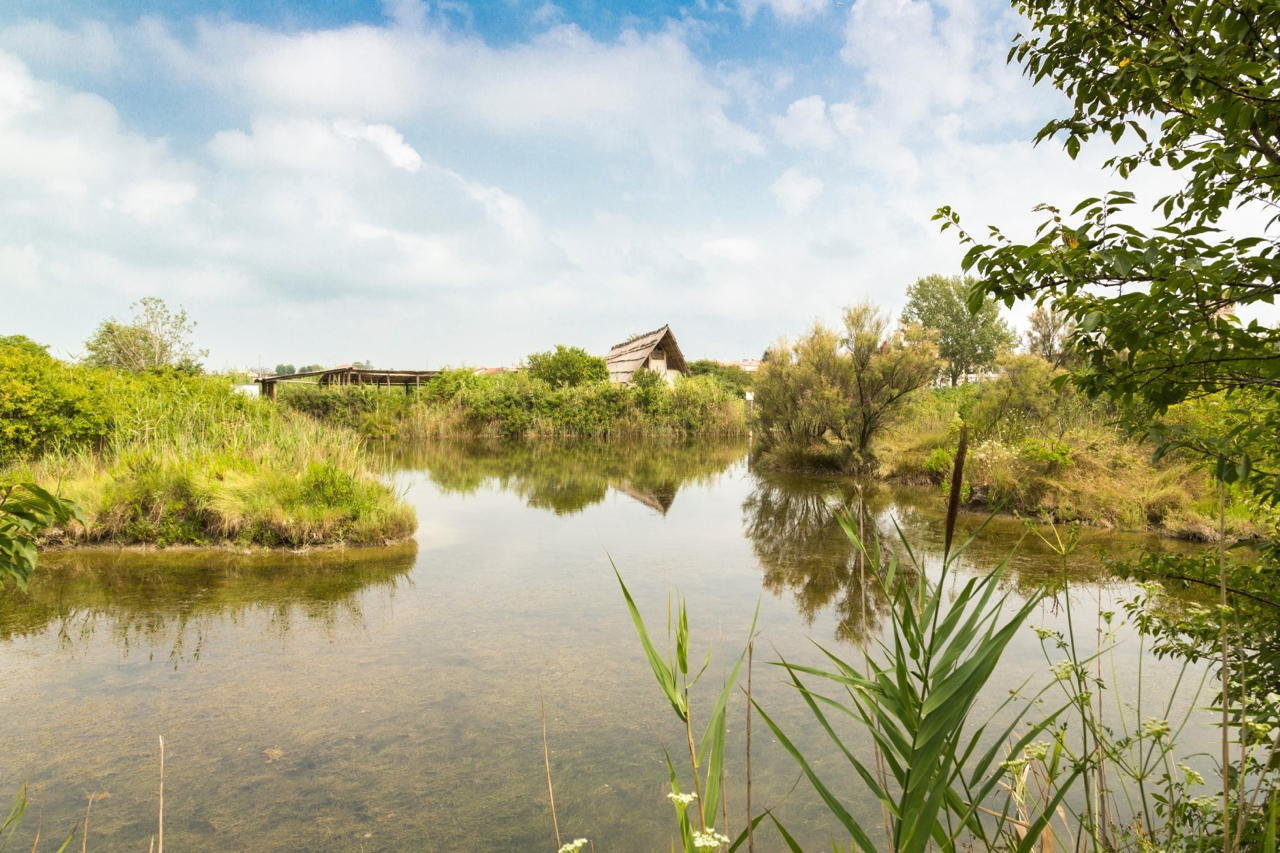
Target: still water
[388, 699]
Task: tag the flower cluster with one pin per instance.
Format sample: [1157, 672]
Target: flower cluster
[574, 846]
[709, 840]
[1155, 728]
[682, 799]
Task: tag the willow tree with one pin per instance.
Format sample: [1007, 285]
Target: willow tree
[842, 388]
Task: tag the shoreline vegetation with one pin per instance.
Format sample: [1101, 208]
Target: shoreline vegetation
[164, 457]
[863, 402]
[520, 405]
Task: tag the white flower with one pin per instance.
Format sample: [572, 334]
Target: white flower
[709, 840]
[681, 799]
[1043, 633]
[574, 846]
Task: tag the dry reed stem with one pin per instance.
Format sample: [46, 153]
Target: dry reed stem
[84, 836]
[751, 841]
[160, 818]
[546, 761]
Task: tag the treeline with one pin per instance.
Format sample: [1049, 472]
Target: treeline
[563, 392]
[876, 398]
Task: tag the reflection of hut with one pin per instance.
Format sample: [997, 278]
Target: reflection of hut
[656, 351]
[658, 500]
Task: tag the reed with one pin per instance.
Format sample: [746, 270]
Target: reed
[189, 461]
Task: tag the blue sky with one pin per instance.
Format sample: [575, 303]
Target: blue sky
[421, 184]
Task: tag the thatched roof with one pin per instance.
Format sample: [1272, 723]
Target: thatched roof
[629, 356]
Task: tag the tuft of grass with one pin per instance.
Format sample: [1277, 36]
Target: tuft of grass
[191, 462]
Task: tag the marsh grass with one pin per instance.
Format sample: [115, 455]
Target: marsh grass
[189, 461]
[517, 405]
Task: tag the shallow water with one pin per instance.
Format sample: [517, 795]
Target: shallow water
[388, 699]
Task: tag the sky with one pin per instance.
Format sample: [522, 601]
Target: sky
[426, 184]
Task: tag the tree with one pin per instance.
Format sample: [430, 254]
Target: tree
[1189, 87]
[23, 343]
[967, 339]
[157, 338]
[567, 366]
[285, 370]
[732, 376]
[1050, 334]
[845, 386]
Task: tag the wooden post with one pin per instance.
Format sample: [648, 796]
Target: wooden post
[270, 388]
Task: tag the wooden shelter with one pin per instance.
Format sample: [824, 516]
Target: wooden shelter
[346, 374]
[656, 351]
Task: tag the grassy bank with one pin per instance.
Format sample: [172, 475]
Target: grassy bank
[167, 458]
[1047, 452]
[518, 405]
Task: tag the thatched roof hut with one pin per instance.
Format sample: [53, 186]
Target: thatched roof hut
[656, 351]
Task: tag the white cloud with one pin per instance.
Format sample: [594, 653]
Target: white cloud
[386, 139]
[90, 46]
[738, 250]
[810, 123]
[638, 90]
[149, 199]
[785, 9]
[795, 191]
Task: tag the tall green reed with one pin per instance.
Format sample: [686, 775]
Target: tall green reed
[696, 811]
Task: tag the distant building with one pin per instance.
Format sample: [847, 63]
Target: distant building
[656, 351]
[749, 365]
[493, 371]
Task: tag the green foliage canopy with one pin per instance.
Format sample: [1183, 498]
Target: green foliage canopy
[849, 384]
[969, 336]
[565, 367]
[157, 338]
[730, 374]
[45, 403]
[1190, 87]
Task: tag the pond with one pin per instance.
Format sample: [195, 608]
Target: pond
[389, 699]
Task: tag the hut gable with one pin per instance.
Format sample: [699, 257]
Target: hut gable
[656, 351]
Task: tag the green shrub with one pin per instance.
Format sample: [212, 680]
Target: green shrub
[47, 404]
[567, 367]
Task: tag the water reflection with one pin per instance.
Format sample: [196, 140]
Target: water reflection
[153, 600]
[793, 524]
[566, 478]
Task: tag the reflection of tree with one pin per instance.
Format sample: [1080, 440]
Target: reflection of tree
[794, 525]
[148, 599]
[567, 477]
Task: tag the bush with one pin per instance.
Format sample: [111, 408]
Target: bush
[567, 367]
[520, 405]
[46, 404]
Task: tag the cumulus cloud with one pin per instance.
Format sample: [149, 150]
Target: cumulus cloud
[640, 90]
[394, 187]
[795, 190]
